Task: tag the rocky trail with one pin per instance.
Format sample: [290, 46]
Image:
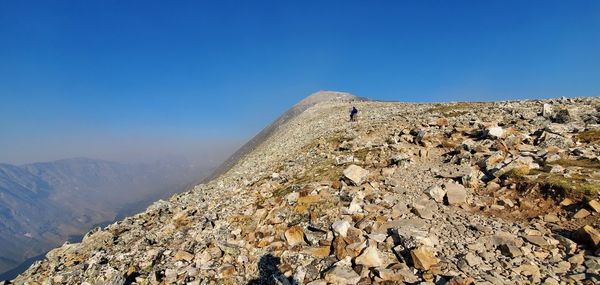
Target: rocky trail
[452, 193]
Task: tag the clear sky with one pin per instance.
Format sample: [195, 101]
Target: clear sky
[95, 78]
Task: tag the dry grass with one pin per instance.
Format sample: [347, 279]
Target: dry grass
[583, 163]
[452, 110]
[590, 136]
[559, 186]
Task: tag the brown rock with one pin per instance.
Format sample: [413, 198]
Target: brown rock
[227, 271]
[423, 258]
[183, 255]
[339, 248]
[318, 252]
[589, 235]
[389, 275]
[582, 213]
[461, 281]
[567, 202]
[294, 236]
[595, 205]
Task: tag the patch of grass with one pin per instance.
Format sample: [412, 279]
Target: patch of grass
[589, 136]
[575, 184]
[283, 191]
[361, 154]
[583, 163]
[452, 110]
[320, 172]
[559, 186]
[518, 171]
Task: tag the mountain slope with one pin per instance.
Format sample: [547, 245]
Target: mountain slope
[298, 108]
[441, 193]
[44, 204]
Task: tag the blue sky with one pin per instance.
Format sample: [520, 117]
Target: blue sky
[88, 78]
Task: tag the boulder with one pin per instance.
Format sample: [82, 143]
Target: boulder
[436, 193]
[183, 255]
[424, 208]
[423, 258]
[547, 111]
[355, 174]
[456, 194]
[582, 213]
[589, 235]
[494, 132]
[342, 274]
[294, 236]
[595, 205]
[562, 116]
[340, 228]
[370, 257]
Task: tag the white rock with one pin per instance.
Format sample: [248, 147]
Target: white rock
[495, 132]
[436, 193]
[370, 257]
[356, 174]
[341, 228]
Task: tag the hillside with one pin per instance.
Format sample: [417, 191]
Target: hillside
[448, 193]
[44, 204]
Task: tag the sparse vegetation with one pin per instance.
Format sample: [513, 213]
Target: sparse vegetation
[589, 136]
[584, 163]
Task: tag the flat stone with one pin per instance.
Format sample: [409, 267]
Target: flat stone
[455, 193]
[342, 274]
[595, 205]
[510, 250]
[355, 174]
[294, 236]
[582, 213]
[567, 202]
[389, 275]
[183, 255]
[536, 240]
[318, 252]
[424, 209]
[577, 259]
[423, 258]
[589, 235]
[551, 218]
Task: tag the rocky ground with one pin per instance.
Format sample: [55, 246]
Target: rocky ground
[457, 193]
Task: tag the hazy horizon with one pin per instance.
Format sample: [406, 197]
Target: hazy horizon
[128, 151]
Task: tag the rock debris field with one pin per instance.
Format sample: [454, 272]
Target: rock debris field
[452, 193]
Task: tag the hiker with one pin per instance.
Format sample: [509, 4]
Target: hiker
[353, 114]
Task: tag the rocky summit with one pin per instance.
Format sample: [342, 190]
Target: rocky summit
[451, 193]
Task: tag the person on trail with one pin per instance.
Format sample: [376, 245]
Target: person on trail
[353, 114]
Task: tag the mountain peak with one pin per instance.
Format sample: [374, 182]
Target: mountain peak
[325, 95]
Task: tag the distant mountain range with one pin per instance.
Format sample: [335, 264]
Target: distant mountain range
[44, 204]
